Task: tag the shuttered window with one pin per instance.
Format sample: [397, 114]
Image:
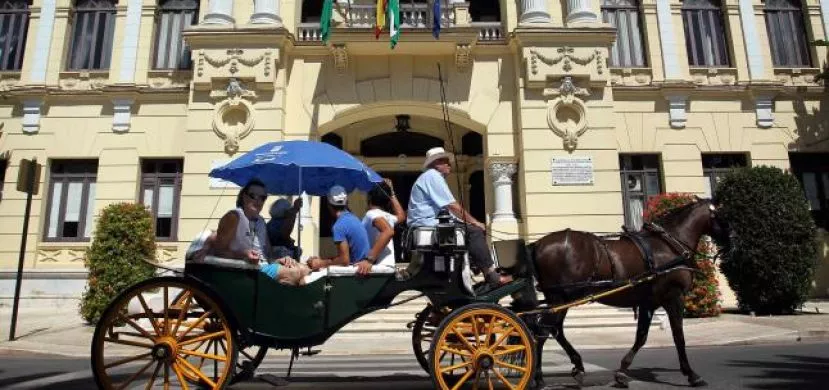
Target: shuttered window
[14, 23]
[629, 50]
[705, 36]
[93, 26]
[641, 180]
[173, 16]
[787, 33]
[160, 193]
[71, 200]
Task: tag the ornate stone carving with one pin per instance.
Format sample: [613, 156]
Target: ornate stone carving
[61, 255]
[167, 81]
[166, 254]
[566, 54]
[233, 58]
[463, 57]
[340, 55]
[233, 118]
[235, 90]
[714, 76]
[83, 82]
[7, 83]
[567, 113]
[500, 172]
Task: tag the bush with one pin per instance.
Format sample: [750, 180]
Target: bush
[772, 263]
[703, 300]
[123, 238]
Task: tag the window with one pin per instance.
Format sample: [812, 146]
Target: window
[628, 50]
[311, 11]
[472, 144]
[705, 38]
[71, 200]
[715, 166]
[171, 52]
[481, 10]
[787, 33]
[160, 192]
[93, 25]
[812, 170]
[14, 23]
[641, 179]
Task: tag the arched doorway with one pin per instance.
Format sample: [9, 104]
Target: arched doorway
[395, 147]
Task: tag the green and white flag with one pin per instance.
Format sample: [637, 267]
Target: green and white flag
[325, 20]
[394, 21]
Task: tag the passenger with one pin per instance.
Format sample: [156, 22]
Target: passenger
[430, 194]
[379, 225]
[242, 235]
[283, 220]
[348, 233]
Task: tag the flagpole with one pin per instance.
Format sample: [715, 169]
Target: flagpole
[299, 220]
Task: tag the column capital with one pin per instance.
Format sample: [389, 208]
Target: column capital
[502, 171]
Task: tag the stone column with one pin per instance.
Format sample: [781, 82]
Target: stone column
[756, 70]
[501, 175]
[43, 41]
[534, 11]
[219, 12]
[580, 11]
[266, 12]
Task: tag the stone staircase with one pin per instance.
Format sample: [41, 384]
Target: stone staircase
[594, 316]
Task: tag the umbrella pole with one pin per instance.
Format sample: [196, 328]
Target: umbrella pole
[299, 220]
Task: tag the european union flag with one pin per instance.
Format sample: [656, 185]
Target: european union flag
[436, 18]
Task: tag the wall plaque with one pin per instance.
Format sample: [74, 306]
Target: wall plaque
[572, 170]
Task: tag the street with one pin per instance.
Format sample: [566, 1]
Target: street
[793, 366]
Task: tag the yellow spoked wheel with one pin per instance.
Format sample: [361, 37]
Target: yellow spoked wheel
[483, 346]
[160, 333]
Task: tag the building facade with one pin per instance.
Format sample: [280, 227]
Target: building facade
[562, 113]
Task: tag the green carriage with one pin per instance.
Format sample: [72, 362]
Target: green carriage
[213, 324]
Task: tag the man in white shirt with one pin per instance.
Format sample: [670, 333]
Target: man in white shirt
[430, 194]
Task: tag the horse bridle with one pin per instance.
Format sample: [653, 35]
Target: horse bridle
[686, 251]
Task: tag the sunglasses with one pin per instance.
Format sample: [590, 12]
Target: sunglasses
[256, 197]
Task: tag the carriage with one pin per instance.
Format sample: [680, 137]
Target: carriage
[213, 324]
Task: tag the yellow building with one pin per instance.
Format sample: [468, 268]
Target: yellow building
[564, 113]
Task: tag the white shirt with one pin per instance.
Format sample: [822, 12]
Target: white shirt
[386, 257]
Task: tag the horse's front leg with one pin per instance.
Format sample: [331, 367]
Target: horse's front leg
[643, 325]
[674, 308]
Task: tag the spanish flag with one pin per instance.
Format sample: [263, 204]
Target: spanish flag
[381, 18]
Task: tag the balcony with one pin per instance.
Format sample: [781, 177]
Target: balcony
[413, 16]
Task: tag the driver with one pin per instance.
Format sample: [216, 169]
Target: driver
[430, 194]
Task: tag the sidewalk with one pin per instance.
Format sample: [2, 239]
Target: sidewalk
[60, 330]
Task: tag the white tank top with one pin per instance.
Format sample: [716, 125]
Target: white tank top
[249, 236]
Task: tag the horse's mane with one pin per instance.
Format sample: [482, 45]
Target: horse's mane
[677, 215]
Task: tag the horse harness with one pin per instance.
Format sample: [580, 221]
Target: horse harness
[639, 238]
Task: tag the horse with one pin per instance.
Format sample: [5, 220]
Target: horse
[569, 263]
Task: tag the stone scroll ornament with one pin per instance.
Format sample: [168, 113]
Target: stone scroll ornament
[567, 113]
[233, 118]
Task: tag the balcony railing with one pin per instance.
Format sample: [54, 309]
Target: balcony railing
[412, 16]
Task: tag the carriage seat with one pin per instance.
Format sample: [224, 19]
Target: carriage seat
[338, 271]
[424, 238]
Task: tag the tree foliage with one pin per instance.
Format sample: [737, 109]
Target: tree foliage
[123, 239]
[775, 253]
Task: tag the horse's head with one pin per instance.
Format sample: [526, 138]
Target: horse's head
[720, 231]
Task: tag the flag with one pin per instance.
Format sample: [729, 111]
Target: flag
[394, 21]
[436, 18]
[380, 23]
[325, 20]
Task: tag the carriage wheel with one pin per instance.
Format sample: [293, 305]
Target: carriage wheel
[423, 332]
[249, 359]
[480, 343]
[145, 339]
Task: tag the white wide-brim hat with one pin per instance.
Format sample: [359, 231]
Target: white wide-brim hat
[435, 154]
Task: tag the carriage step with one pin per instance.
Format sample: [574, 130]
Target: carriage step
[400, 327]
[309, 352]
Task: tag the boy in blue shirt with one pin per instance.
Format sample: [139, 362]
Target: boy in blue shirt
[349, 235]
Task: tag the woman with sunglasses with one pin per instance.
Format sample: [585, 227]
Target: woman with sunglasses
[242, 235]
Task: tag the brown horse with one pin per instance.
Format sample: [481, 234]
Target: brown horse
[568, 263]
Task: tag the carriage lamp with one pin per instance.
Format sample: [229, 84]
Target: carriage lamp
[445, 230]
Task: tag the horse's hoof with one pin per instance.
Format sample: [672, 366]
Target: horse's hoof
[578, 375]
[622, 380]
[697, 382]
